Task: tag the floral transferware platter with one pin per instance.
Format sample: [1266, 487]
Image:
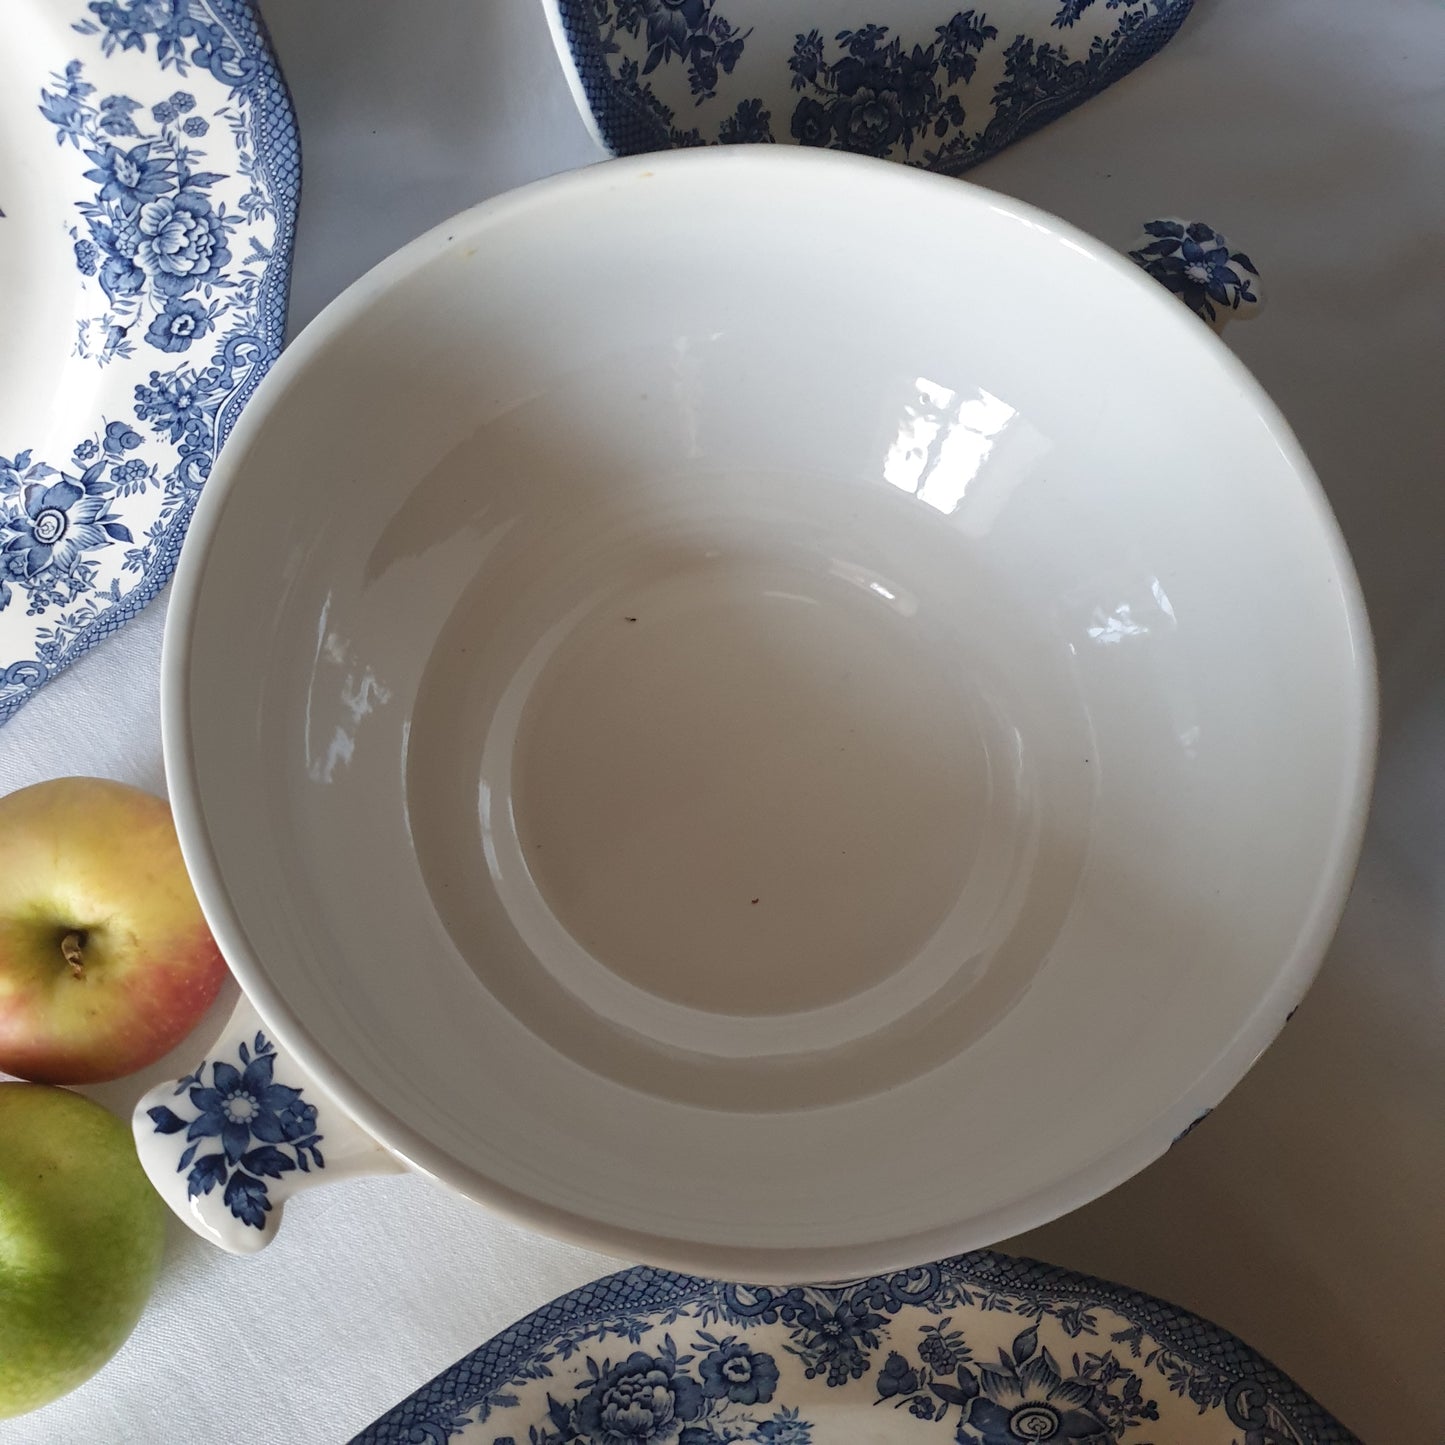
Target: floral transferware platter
[984, 1349]
[922, 81]
[149, 176]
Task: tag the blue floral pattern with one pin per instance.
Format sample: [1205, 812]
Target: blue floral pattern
[664, 73]
[877, 96]
[1195, 262]
[985, 1349]
[264, 1130]
[690, 31]
[181, 239]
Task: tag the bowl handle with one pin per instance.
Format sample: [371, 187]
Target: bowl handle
[1196, 263]
[227, 1145]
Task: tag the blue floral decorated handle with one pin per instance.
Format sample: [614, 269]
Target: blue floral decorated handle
[227, 1145]
[1196, 263]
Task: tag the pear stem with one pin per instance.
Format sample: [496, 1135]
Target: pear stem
[70, 947]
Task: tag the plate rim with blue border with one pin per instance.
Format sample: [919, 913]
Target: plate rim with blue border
[704, 1375]
[176, 139]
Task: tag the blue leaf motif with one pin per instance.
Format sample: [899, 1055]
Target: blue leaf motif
[266, 1160]
[247, 1199]
[207, 1172]
[1025, 1343]
[165, 1121]
[561, 1414]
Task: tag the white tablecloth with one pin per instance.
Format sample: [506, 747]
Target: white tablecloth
[1308, 1213]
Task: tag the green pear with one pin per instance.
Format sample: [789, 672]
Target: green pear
[81, 1237]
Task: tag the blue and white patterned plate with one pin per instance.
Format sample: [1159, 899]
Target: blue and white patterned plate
[149, 176]
[910, 80]
[984, 1349]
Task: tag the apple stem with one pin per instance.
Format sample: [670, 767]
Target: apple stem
[70, 946]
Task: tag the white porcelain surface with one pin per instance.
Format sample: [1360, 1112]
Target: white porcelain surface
[1099, 648]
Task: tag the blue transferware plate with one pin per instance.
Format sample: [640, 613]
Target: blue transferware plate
[985, 1349]
[149, 177]
[922, 81]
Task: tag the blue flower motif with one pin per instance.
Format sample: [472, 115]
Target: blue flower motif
[163, 112]
[1032, 1403]
[131, 477]
[750, 124]
[85, 257]
[870, 121]
[15, 566]
[924, 82]
[811, 125]
[669, 24]
[130, 177]
[877, 95]
[644, 1398]
[176, 405]
[240, 1106]
[179, 324]
[836, 1341]
[181, 242]
[265, 1130]
[59, 522]
[735, 1373]
[183, 101]
[1195, 263]
[196, 125]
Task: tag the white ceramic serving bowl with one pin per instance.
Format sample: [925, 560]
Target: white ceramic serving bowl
[767, 711]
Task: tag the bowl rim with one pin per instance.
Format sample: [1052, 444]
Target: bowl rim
[1276, 1003]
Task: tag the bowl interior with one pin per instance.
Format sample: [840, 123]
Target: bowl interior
[770, 711]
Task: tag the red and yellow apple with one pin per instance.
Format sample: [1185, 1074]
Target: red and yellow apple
[106, 962]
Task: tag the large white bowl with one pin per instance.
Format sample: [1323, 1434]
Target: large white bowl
[768, 711]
